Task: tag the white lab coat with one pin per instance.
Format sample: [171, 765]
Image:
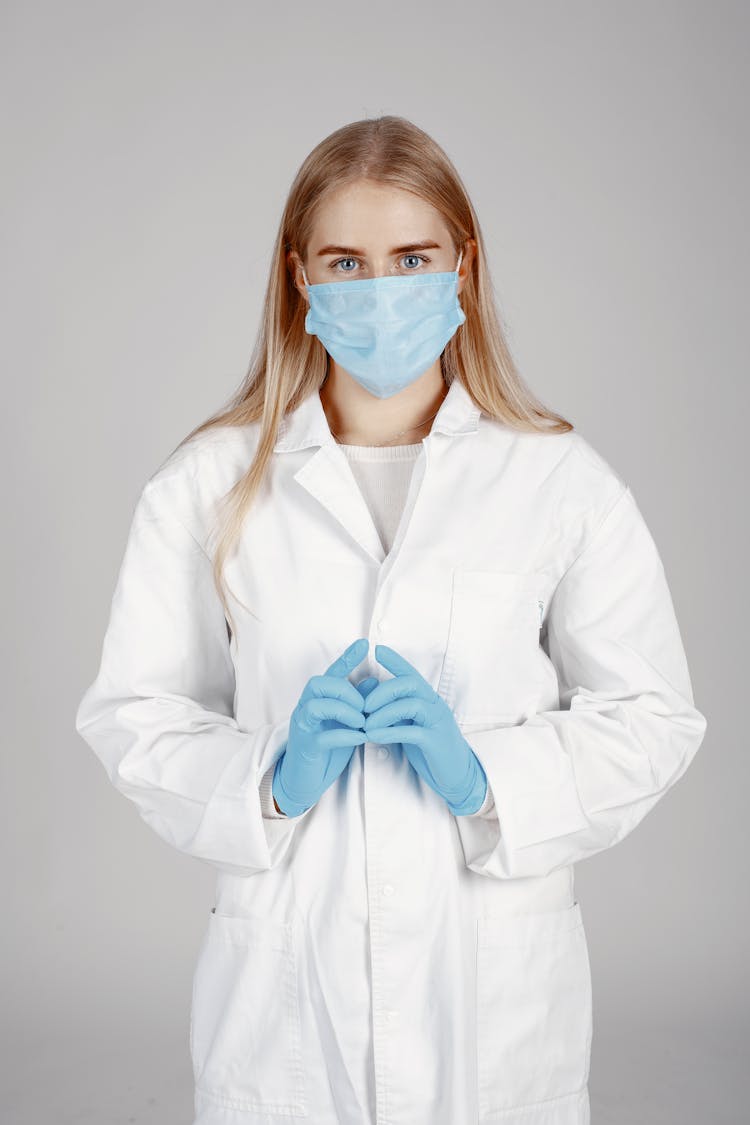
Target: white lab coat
[378, 959]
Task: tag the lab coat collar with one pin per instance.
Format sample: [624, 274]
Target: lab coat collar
[307, 424]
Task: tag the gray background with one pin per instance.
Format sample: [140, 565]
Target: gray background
[148, 149]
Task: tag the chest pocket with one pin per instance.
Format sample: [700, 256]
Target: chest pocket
[491, 671]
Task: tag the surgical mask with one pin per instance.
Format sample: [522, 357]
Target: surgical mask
[385, 331]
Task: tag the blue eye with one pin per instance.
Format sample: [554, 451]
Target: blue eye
[420, 258]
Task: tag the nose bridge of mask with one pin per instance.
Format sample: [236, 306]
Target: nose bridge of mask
[458, 266]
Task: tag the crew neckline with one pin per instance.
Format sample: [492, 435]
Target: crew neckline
[381, 452]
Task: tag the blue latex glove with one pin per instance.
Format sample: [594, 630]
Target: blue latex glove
[324, 730]
[429, 733]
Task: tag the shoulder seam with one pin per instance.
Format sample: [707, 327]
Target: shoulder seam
[625, 490]
[150, 488]
[196, 448]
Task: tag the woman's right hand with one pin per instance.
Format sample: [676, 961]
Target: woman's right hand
[325, 728]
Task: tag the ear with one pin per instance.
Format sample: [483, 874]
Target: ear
[294, 265]
[467, 263]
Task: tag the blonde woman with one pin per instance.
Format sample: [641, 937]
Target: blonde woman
[392, 649]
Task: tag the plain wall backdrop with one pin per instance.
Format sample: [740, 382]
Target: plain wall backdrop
[147, 152]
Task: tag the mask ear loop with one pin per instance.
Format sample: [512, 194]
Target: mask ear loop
[442, 368]
[328, 358]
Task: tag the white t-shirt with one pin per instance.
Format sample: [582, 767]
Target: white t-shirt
[383, 473]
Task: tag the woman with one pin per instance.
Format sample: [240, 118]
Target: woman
[450, 670]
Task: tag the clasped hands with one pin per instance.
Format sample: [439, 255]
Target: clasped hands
[333, 716]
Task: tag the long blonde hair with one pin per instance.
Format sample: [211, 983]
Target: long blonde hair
[288, 364]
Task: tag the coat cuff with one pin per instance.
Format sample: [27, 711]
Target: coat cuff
[534, 782]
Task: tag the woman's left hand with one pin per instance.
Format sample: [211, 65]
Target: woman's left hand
[430, 735]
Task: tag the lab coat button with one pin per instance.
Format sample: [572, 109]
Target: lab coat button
[382, 623]
[382, 751]
[387, 889]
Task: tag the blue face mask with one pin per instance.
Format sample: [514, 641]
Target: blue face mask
[385, 331]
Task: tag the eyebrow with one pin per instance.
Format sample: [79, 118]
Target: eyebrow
[426, 245]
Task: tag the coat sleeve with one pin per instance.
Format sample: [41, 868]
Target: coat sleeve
[571, 782]
[160, 713]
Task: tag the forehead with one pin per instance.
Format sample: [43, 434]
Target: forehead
[365, 213]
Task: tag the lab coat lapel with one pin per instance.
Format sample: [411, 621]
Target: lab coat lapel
[327, 475]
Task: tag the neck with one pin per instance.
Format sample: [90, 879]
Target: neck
[355, 417]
